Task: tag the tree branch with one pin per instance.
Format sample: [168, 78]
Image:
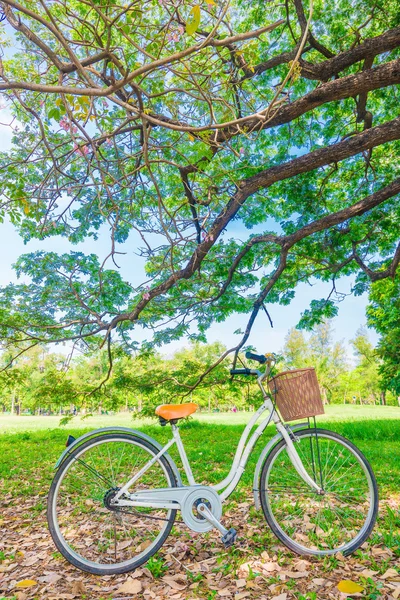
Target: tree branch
[390, 271]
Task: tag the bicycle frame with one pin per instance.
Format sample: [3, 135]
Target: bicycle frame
[171, 498]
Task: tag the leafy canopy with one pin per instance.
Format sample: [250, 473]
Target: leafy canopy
[248, 146]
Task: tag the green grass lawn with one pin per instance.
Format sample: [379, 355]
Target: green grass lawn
[30, 446]
[337, 412]
[27, 457]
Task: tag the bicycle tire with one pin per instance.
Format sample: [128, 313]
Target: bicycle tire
[53, 515]
[269, 495]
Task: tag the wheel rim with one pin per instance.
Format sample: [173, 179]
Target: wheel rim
[87, 528]
[320, 524]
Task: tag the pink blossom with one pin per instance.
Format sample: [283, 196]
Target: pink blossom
[208, 237]
[146, 296]
[176, 34]
[173, 36]
[82, 151]
[64, 123]
[67, 126]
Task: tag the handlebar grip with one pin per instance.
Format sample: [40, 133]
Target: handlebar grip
[258, 357]
[240, 371]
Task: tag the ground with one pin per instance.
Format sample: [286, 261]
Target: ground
[190, 565]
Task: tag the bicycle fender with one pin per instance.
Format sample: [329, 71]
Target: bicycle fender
[140, 434]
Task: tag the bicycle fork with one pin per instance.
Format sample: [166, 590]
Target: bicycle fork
[296, 460]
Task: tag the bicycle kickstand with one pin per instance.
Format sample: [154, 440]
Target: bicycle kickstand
[228, 535]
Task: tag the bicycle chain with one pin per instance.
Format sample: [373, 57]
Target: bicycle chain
[138, 514]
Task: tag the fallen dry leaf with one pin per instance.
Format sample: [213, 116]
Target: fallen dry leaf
[31, 561]
[270, 567]
[26, 583]
[131, 586]
[171, 581]
[368, 573]
[301, 565]
[123, 545]
[349, 587]
[143, 546]
[78, 588]
[295, 574]
[390, 574]
[280, 597]
[340, 556]
[50, 578]
[242, 595]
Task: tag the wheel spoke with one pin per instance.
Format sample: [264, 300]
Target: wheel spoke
[306, 520]
[86, 523]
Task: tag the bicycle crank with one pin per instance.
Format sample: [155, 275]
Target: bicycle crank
[201, 496]
[202, 511]
[228, 536]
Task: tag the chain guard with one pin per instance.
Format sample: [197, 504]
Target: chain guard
[189, 505]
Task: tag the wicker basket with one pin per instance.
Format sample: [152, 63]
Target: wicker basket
[297, 394]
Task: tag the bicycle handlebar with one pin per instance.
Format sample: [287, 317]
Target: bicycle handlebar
[240, 372]
[270, 359]
[258, 357]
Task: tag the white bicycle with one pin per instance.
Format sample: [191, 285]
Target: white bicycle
[116, 492]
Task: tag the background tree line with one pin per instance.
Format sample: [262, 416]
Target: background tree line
[44, 382]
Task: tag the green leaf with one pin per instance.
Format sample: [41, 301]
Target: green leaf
[193, 21]
[54, 113]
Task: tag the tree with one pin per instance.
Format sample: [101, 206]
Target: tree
[383, 314]
[365, 382]
[329, 360]
[157, 380]
[319, 351]
[36, 381]
[174, 120]
[296, 350]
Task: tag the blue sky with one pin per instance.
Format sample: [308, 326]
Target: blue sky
[351, 311]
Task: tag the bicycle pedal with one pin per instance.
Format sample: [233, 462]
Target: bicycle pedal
[229, 538]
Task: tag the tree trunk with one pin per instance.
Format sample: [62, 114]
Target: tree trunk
[383, 398]
[324, 396]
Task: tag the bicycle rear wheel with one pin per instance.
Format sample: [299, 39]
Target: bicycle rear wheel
[88, 530]
[340, 519]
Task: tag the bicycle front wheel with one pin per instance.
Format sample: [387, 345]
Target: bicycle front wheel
[88, 530]
[338, 520]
